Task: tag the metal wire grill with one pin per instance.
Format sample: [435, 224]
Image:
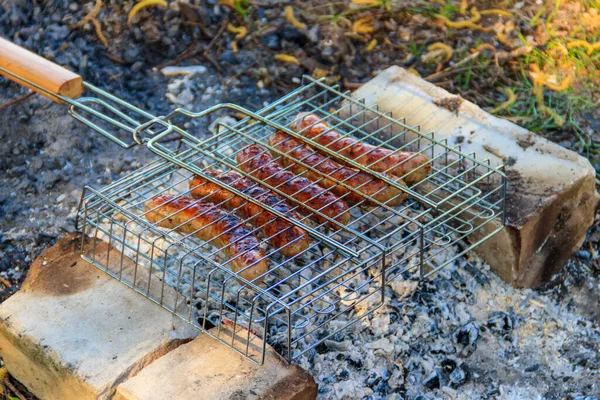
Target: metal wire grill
[339, 278]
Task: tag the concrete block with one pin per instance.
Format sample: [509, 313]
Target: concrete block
[551, 190]
[73, 332]
[207, 369]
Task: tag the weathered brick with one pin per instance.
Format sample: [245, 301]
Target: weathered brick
[551, 194]
[207, 369]
[73, 332]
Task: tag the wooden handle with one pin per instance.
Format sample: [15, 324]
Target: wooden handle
[36, 69]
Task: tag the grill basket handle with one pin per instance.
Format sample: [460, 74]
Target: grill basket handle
[38, 74]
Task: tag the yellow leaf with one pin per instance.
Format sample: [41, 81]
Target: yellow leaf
[234, 46]
[319, 73]
[91, 14]
[366, 2]
[363, 25]
[99, 32]
[495, 11]
[371, 45]
[581, 43]
[443, 47]
[143, 4]
[287, 58]
[291, 18]
[462, 24]
[241, 31]
[463, 7]
[509, 102]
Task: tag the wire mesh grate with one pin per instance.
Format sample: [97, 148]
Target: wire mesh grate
[304, 298]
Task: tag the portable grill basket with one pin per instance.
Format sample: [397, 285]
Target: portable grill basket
[302, 300]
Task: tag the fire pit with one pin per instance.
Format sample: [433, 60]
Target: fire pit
[299, 302]
[410, 337]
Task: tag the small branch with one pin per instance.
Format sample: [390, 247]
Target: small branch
[16, 101]
[14, 389]
[445, 73]
[451, 69]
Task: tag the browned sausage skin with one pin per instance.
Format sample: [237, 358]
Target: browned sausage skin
[256, 161]
[213, 225]
[366, 185]
[287, 238]
[411, 167]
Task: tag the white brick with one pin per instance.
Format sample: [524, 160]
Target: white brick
[73, 332]
[207, 369]
[551, 190]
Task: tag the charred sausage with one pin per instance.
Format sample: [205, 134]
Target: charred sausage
[287, 238]
[411, 167]
[330, 171]
[256, 161]
[213, 225]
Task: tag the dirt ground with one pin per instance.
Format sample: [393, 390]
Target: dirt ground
[533, 62]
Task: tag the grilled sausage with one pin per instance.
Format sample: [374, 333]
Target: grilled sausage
[367, 185]
[256, 161]
[213, 225]
[287, 238]
[412, 167]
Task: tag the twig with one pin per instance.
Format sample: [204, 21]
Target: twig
[444, 84]
[212, 43]
[14, 390]
[188, 53]
[113, 58]
[230, 80]
[448, 71]
[218, 35]
[196, 49]
[445, 73]
[16, 101]
[5, 282]
[351, 85]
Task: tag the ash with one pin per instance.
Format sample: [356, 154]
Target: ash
[464, 334]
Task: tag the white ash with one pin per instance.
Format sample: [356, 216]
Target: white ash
[463, 333]
[183, 71]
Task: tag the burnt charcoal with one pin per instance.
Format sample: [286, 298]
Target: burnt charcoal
[532, 368]
[584, 255]
[477, 274]
[466, 335]
[343, 375]
[458, 278]
[382, 387]
[458, 377]
[291, 34]
[131, 55]
[445, 286]
[448, 365]
[229, 56]
[272, 41]
[372, 380]
[324, 390]
[354, 361]
[500, 323]
[322, 348]
[433, 381]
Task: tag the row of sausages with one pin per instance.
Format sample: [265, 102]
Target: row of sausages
[294, 172]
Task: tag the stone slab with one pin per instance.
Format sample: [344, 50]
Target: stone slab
[73, 332]
[551, 194]
[207, 369]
